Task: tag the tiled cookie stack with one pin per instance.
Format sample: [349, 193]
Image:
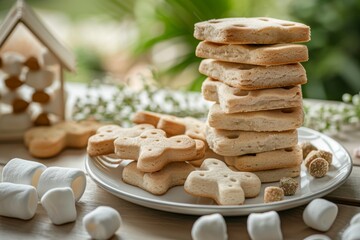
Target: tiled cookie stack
[255, 78]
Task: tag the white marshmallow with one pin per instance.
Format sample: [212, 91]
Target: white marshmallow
[59, 204]
[102, 222]
[264, 226]
[317, 237]
[39, 79]
[352, 232]
[209, 227]
[22, 171]
[15, 122]
[320, 214]
[57, 177]
[17, 200]
[355, 219]
[8, 96]
[12, 63]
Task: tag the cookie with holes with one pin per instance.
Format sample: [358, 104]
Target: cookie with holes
[276, 120]
[153, 150]
[102, 143]
[258, 30]
[215, 180]
[281, 158]
[235, 143]
[45, 142]
[263, 55]
[252, 77]
[158, 183]
[234, 100]
[172, 125]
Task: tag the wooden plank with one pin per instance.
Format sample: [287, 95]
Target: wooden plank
[144, 223]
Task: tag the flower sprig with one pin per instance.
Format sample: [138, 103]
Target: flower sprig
[122, 101]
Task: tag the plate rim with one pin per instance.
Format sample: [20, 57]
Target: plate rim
[202, 209]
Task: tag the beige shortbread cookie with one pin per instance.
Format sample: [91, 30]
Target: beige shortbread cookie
[208, 154]
[234, 100]
[260, 30]
[276, 174]
[153, 150]
[318, 154]
[215, 180]
[172, 125]
[282, 158]
[262, 121]
[265, 55]
[45, 142]
[235, 143]
[158, 183]
[252, 77]
[102, 143]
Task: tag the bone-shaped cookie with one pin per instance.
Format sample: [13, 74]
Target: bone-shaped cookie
[215, 180]
[234, 100]
[252, 77]
[158, 183]
[102, 142]
[45, 142]
[261, 30]
[153, 150]
[172, 125]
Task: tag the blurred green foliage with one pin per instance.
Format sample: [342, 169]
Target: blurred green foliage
[334, 64]
[333, 68]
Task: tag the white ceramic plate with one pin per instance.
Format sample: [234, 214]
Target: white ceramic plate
[102, 171]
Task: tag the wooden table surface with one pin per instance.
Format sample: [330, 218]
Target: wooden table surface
[144, 223]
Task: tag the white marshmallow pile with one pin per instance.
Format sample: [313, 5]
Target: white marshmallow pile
[22, 172]
[320, 214]
[59, 203]
[102, 222]
[18, 200]
[264, 226]
[353, 231]
[210, 227]
[58, 177]
[58, 188]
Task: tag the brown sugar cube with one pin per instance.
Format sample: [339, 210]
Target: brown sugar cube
[42, 120]
[32, 63]
[13, 82]
[307, 147]
[318, 154]
[19, 105]
[40, 97]
[273, 194]
[289, 185]
[318, 167]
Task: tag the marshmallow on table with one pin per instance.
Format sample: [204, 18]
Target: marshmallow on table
[17, 200]
[59, 204]
[102, 222]
[22, 171]
[320, 214]
[352, 232]
[209, 227]
[317, 237]
[355, 219]
[264, 226]
[57, 177]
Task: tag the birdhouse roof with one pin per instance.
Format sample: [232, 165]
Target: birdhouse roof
[22, 13]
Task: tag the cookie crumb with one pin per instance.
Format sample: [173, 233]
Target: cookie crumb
[307, 147]
[273, 194]
[289, 185]
[318, 167]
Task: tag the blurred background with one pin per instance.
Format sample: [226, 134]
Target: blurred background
[132, 40]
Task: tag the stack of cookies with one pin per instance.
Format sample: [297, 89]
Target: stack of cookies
[254, 78]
